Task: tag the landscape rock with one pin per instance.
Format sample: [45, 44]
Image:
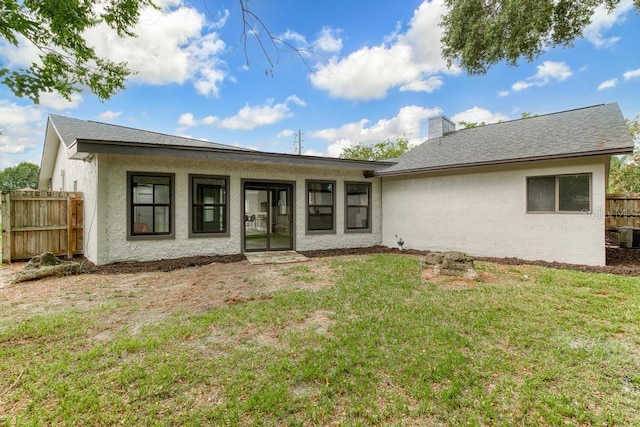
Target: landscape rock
[45, 265]
[45, 260]
[452, 264]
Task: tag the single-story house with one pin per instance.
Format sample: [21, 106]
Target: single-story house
[532, 188]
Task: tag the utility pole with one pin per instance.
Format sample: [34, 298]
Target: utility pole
[297, 143]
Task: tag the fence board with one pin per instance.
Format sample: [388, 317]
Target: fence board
[622, 210]
[41, 221]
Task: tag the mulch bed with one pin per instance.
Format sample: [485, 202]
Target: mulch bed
[619, 260]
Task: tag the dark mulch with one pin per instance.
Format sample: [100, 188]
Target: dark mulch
[160, 265]
[619, 261]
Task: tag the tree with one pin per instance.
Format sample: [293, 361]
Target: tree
[67, 64]
[469, 125]
[624, 171]
[22, 176]
[478, 34]
[378, 151]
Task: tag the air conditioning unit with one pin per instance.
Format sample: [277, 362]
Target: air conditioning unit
[629, 237]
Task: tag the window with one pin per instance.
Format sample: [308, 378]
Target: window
[320, 206]
[150, 200]
[358, 206]
[209, 207]
[562, 193]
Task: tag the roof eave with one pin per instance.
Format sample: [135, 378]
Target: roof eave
[80, 148]
[609, 152]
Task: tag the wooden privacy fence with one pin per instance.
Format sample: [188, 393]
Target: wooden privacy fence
[34, 222]
[622, 210]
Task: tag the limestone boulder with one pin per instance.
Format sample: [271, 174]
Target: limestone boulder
[451, 264]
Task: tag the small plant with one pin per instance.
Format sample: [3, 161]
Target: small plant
[400, 241]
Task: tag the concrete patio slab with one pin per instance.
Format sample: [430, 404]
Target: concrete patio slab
[280, 257]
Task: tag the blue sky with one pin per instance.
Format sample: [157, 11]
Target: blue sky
[369, 73]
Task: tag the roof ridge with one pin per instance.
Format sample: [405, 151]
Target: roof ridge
[535, 116]
[142, 130]
[145, 130]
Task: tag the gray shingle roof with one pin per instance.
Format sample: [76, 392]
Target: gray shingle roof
[71, 129]
[599, 129]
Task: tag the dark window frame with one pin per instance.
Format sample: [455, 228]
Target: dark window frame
[309, 206]
[347, 206]
[197, 234]
[131, 235]
[557, 194]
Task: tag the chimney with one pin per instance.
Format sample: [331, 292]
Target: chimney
[440, 126]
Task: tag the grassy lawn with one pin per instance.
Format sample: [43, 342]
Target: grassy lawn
[526, 346]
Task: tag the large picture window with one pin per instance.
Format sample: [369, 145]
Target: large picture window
[561, 193]
[357, 206]
[150, 200]
[320, 206]
[209, 205]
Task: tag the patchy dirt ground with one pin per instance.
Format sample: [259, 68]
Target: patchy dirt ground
[148, 297]
[151, 291]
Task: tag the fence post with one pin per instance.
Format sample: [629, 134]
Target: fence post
[6, 227]
[70, 244]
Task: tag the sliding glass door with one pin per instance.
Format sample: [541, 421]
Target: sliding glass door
[268, 215]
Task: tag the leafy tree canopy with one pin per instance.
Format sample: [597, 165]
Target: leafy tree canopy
[468, 125]
[480, 33]
[378, 151]
[66, 63]
[22, 176]
[624, 172]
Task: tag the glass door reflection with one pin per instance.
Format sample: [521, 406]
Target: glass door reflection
[268, 215]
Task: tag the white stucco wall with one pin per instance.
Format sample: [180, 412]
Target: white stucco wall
[112, 243]
[483, 212]
[80, 175]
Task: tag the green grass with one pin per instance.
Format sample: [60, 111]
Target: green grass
[529, 346]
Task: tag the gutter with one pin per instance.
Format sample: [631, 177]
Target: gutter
[80, 148]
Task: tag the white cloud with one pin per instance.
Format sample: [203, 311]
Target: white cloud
[22, 129]
[429, 85]
[503, 93]
[172, 46]
[477, 115]
[294, 38]
[408, 61]
[56, 101]
[602, 21]
[608, 84]
[287, 133]
[109, 115]
[328, 41]
[209, 120]
[628, 75]
[311, 152]
[187, 120]
[548, 71]
[251, 117]
[248, 117]
[406, 124]
[22, 55]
